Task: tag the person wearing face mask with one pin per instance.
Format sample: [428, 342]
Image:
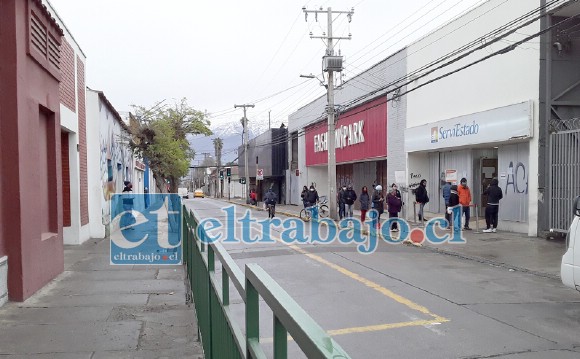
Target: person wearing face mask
[349, 199]
[422, 198]
[365, 203]
[394, 204]
[304, 196]
[465, 201]
[378, 203]
[312, 196]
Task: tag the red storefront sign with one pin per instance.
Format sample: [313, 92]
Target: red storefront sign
[361, 134]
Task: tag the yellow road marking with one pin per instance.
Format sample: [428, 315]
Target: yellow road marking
[386, 292]
[371, 328]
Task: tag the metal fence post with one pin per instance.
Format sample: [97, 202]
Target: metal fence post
[252, 317]
[280, 340]
[476, 218]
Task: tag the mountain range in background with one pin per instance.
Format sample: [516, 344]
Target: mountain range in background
[231, 135]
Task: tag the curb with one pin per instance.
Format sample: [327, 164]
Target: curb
[433, 249]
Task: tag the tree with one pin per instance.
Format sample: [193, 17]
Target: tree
[159, 134]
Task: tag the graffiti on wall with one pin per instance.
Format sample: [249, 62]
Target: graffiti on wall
[115, 161]
[514, 176]
[516, 179]
[414, 181]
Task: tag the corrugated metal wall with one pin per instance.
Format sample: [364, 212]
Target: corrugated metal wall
[564, 177]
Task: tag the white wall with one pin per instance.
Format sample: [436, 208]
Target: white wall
[96, 227]
[502, 80]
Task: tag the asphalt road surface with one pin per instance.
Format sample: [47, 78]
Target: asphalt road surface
[407, 302]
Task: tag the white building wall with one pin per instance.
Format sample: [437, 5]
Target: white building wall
[97, 229]
[396, 124]
[502, 80]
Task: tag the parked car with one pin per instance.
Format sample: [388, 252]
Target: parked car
[570, 269]
[183, 193]
[198, 193]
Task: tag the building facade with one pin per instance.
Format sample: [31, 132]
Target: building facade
[483, 120]
[111, 155]
[31, 167]
[369, 134]
[267, 162]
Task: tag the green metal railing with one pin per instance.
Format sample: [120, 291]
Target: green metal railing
[220, 334]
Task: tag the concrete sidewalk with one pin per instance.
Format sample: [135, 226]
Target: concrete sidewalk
[511, 250]
[95, 310]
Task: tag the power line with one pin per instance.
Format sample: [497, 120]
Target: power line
[409, 78]
[319, 123]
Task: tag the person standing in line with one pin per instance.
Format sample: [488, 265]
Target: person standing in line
[465, 200]
[304, 196]
[364, 203]
[349, 199]
[456, 215]
[341, 202]
[422, 198]
[378, 203]
[446, 191]
[394, 205]
[494, 194]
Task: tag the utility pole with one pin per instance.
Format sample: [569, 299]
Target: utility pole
[332, 63]
[247, 170]
[269, 121]
[218, 145]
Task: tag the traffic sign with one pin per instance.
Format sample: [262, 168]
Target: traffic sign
[260, 174]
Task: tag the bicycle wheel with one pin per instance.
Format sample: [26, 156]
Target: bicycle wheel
[305, 215]
[324, 211]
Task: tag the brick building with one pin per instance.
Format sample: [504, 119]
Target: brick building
[74, 138]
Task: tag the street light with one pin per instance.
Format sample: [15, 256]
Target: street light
[311, 76]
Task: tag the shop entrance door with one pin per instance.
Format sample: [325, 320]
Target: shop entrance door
[488, 168]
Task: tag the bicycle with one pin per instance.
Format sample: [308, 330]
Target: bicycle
[323, 210]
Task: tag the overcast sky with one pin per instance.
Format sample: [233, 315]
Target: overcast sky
[221, 53]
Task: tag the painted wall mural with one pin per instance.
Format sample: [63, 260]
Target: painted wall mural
[116, 158]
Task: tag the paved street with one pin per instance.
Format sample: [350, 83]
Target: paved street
[408, 302]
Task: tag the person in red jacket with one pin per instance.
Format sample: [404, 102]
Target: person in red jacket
[465, 200]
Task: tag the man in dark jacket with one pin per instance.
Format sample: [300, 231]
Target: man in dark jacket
[313, 200]
[394, 204]
[422, 198]
[349, 198]
[271, 198]
[494, 194]
[446, 191]
[455, 214]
